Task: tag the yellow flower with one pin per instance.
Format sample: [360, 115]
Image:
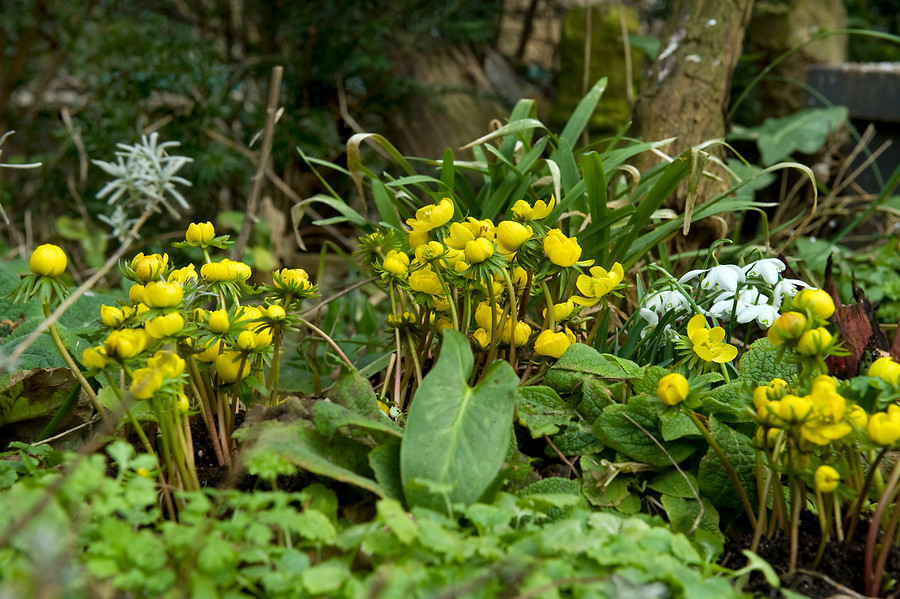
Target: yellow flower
[276, 312]
[672, 389]
[523, 332]
[884, 427]
[125, 343]
[815, 301]
[814, 342]
[511, 235]
[418, 235]
[597, 285]
[562, 310]
[136, 294]
[210, 352]
[146, 382]
[478, 250]
[857, 417]
[396, 263]
[429, 251]
[248, 317]
[776, 389]
[158, 294]
[787, 327]
[182, 403]
[113, 316]
[523, 211]
[149, 268]
[828, 409]
[218, 321]
[182, 275]
[94, 357]
[165, 325]
[47, 260]
[433, 216]
[792, 409]
[460, 235]
[707, 343]
[239, 270]
[425, 280]
[519, 276]
[168, 363]
[553, 344]
[483, 316]
[442, 323]
[292, 280]
[200, 233]
[826, 479]
[227, 365]
[216, 272]
[561, 250]
[886, 369]
[482, 338]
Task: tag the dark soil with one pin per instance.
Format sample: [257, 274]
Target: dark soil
[839, 574]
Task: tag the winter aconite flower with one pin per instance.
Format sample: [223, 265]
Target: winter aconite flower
[553, 344]
[522, 210]
[228, 363]
[884, 427]
[125, 343]
[561, 250]
[816, 302]
[707, 343]
[146, 382]
[200, 233]
[598, 284]
[672, 389]
[826, 479]
[886, 369]
[814, 342]
[478, 250]
[787, 328]
[95, 357]
[47, 260]
[158, 294]
[511, 235]
[165, 325]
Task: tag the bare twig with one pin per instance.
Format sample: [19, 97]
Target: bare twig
[237, 251]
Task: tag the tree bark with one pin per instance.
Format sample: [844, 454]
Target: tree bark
[686, 95]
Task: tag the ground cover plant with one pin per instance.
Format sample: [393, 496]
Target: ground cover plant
[530, 399]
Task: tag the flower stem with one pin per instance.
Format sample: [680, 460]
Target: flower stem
[707, 436]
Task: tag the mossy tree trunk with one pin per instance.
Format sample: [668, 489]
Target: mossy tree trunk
[686, 95]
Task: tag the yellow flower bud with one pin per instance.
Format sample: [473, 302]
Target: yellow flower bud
[182, 275]
[815, 301]
[201, 233]
[814, 342]
[482, 338]
[125, 343]
[884, 427]
[478, 250]
[460, 235]
[787, 327]
[553, 344]
[511, 235]
[522, 211]
[561, 250]
[227, 365]
[293, 280]
[158, 294]
[826, 479]
[165, 325]
[112, 316]
[216, 272]
[146, 382]
[210, 352]
[239, 271]
[218, 321]
[182, 403]
[672, 389]
[149, 268]
[47, 260]
[94, 357]
[523, 332]
[136, 294]
[168, 363]
[792, 409]
[395, 266]
[425, 280]
[886, 369]
[275, 312]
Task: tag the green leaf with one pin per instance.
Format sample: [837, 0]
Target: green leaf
[650, 381]
[384, 460]
[457, 434]
[672, 482]
[676, 425]
[804, 131]
[356, 394]
[325, 577]
[683, 512]
[329, 417]
[616, 430]
[581, 362]
[595, 397]
[577, 442]
[712, 476]
[582, 114]
[729, 401]
[28, 394]
[277, 448]
[395, 517]
[541, 410]
[760, 364]
[601, 489]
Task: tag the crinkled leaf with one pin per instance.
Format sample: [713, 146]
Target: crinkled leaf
[714, 480]
[457, 434]
[683, 512]
[676, 425]
[541, 410]
[329, 417]
[672, 482]
[595, 396]
[728, 402]
[576, 442]
[648, 383]
[616, 430]
[356, 394]
[760, 364]
[802, 131]
[581, 362]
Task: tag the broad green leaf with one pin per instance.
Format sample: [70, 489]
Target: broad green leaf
[273, 448]
[329, 417]
[576, 442]
[678, 484]
[541, 410]
[27, 394]
[596, 395]
[803, 131]
[712, 476]
[648, 383]
[582, 361]
[391, 512]
[683, 513]
[601, 489]
[760, 364]
[384, 460]
[356, 394]
[325, 577]
[676, 425]
[728, 402]
[618, 428]
[457, 434]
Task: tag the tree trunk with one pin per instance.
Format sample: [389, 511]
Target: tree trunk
[686, 94]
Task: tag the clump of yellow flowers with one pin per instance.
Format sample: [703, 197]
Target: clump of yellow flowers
[519, 288]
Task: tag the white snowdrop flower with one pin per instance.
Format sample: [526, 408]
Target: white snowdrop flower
[768, 269]
[724, 276]
[692, 274]
[726, 305]
[652, 319]
[787, 288]
[670, 300]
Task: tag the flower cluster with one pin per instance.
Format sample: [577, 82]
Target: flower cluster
[485, 278]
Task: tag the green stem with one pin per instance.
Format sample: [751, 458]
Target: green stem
[550, 319]
[275, 370]
[450, 300]
[67, 358]
[327, 340]
[707, 436]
